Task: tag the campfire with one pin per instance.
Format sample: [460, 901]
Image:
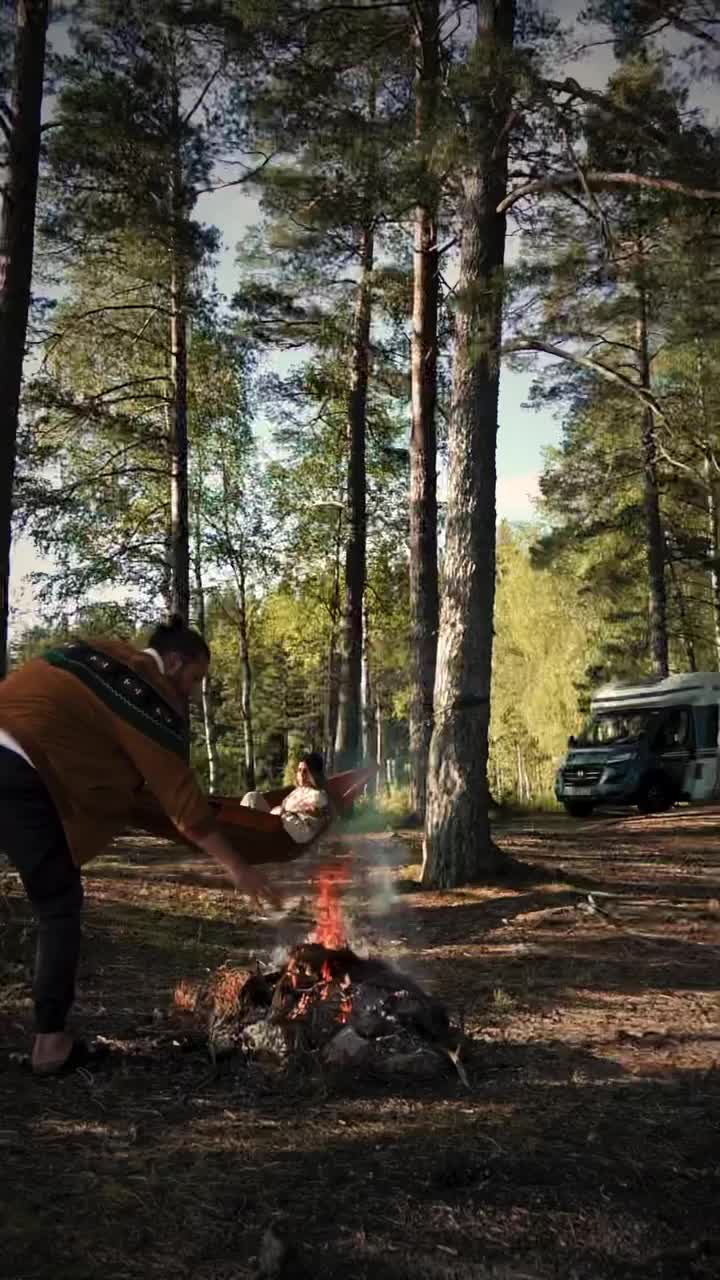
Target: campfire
[328, 1004]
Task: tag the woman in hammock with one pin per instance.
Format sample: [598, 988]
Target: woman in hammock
[306, 810]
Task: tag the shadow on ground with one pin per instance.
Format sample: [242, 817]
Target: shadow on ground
[585, 1146]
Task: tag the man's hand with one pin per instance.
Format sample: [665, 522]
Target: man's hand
[253, 884]
[248, 880]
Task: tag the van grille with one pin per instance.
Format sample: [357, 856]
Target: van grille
[584, 773]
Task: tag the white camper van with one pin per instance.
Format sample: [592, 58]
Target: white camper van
[650, 743]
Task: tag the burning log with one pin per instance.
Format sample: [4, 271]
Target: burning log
[346, 1010]
[327, 1001]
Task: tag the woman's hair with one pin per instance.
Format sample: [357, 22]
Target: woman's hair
[174, 636]
[316, 765]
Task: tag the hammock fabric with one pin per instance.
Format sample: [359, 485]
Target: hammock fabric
[259, 837]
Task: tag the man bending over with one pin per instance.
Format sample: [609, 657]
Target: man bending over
[82, 730]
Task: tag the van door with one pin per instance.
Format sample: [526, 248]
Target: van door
[703, 773]
[675, 748]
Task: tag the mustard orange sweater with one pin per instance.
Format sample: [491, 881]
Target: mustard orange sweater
[98, 721]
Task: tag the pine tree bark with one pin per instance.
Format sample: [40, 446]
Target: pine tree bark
[713, 510]
[654, 533]
[178, 449]
[208, 702]
[424, 603]
[333, 667]
[369, 728]
[178, 411]
[348, 738]
[17, 243]
[687, 638]
[380, 750]
[246, 687]
[712, 486]
[458, 847]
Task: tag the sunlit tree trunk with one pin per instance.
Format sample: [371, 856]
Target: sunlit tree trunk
[369, 728]
[348, 737]
[178, 408]
[246, 684]
[208, 707]
[424, 604]
[654, 533]
[458, 847]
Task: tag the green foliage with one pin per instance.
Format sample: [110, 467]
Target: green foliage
[547, 629]
[157, 105]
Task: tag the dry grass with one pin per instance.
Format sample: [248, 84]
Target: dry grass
[586, 1145]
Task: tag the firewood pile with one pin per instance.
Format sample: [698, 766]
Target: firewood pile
[329, 1006]
[336, 1008]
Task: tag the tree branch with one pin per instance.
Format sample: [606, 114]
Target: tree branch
[605, 371]
[237, 182]
[594, 98]
[691, 29]
[600, 181]
[203, 94]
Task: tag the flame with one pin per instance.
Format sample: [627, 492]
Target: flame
[186, 996]
[331, 933]
[331, 929]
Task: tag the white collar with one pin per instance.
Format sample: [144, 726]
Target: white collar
[156, 656]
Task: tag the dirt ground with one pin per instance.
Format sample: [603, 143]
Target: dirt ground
[586, 1145]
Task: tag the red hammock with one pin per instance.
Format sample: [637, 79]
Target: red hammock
[257, 836]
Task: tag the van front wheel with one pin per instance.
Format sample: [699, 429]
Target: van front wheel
[655, 795]
[578, 808]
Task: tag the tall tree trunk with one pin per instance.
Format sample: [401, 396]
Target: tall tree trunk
[713, 509]
[424, 605]
[712, 486]
[458, 847]
[333, 668]
[17, 243]
[655, 544]
[333, 696]
[369, 734]
[347, 742]
[178, 444]
[208, 701]
[687, 637]
[380, 751]
[246, 688]
[178, 435]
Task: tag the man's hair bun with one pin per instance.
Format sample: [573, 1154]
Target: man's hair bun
[174, 636]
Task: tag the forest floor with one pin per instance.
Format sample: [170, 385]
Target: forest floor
[586, 1145]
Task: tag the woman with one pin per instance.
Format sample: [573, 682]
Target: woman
[306, 810]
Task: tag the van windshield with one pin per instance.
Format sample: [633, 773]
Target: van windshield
[606, 728]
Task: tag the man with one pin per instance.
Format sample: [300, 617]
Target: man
[82, 730]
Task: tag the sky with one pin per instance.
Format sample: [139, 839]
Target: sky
[523, 435]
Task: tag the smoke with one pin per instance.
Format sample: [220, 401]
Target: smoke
[368, 901]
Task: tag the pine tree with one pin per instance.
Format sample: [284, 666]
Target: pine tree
[605, 289]
[424, 591]
[20, 137]
[138, 130]
[458, 847]
[340, 106]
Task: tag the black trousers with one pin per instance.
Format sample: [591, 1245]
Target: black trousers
[32, 837]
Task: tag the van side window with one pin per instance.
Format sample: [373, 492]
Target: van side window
[706, 725]
[675, 733]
